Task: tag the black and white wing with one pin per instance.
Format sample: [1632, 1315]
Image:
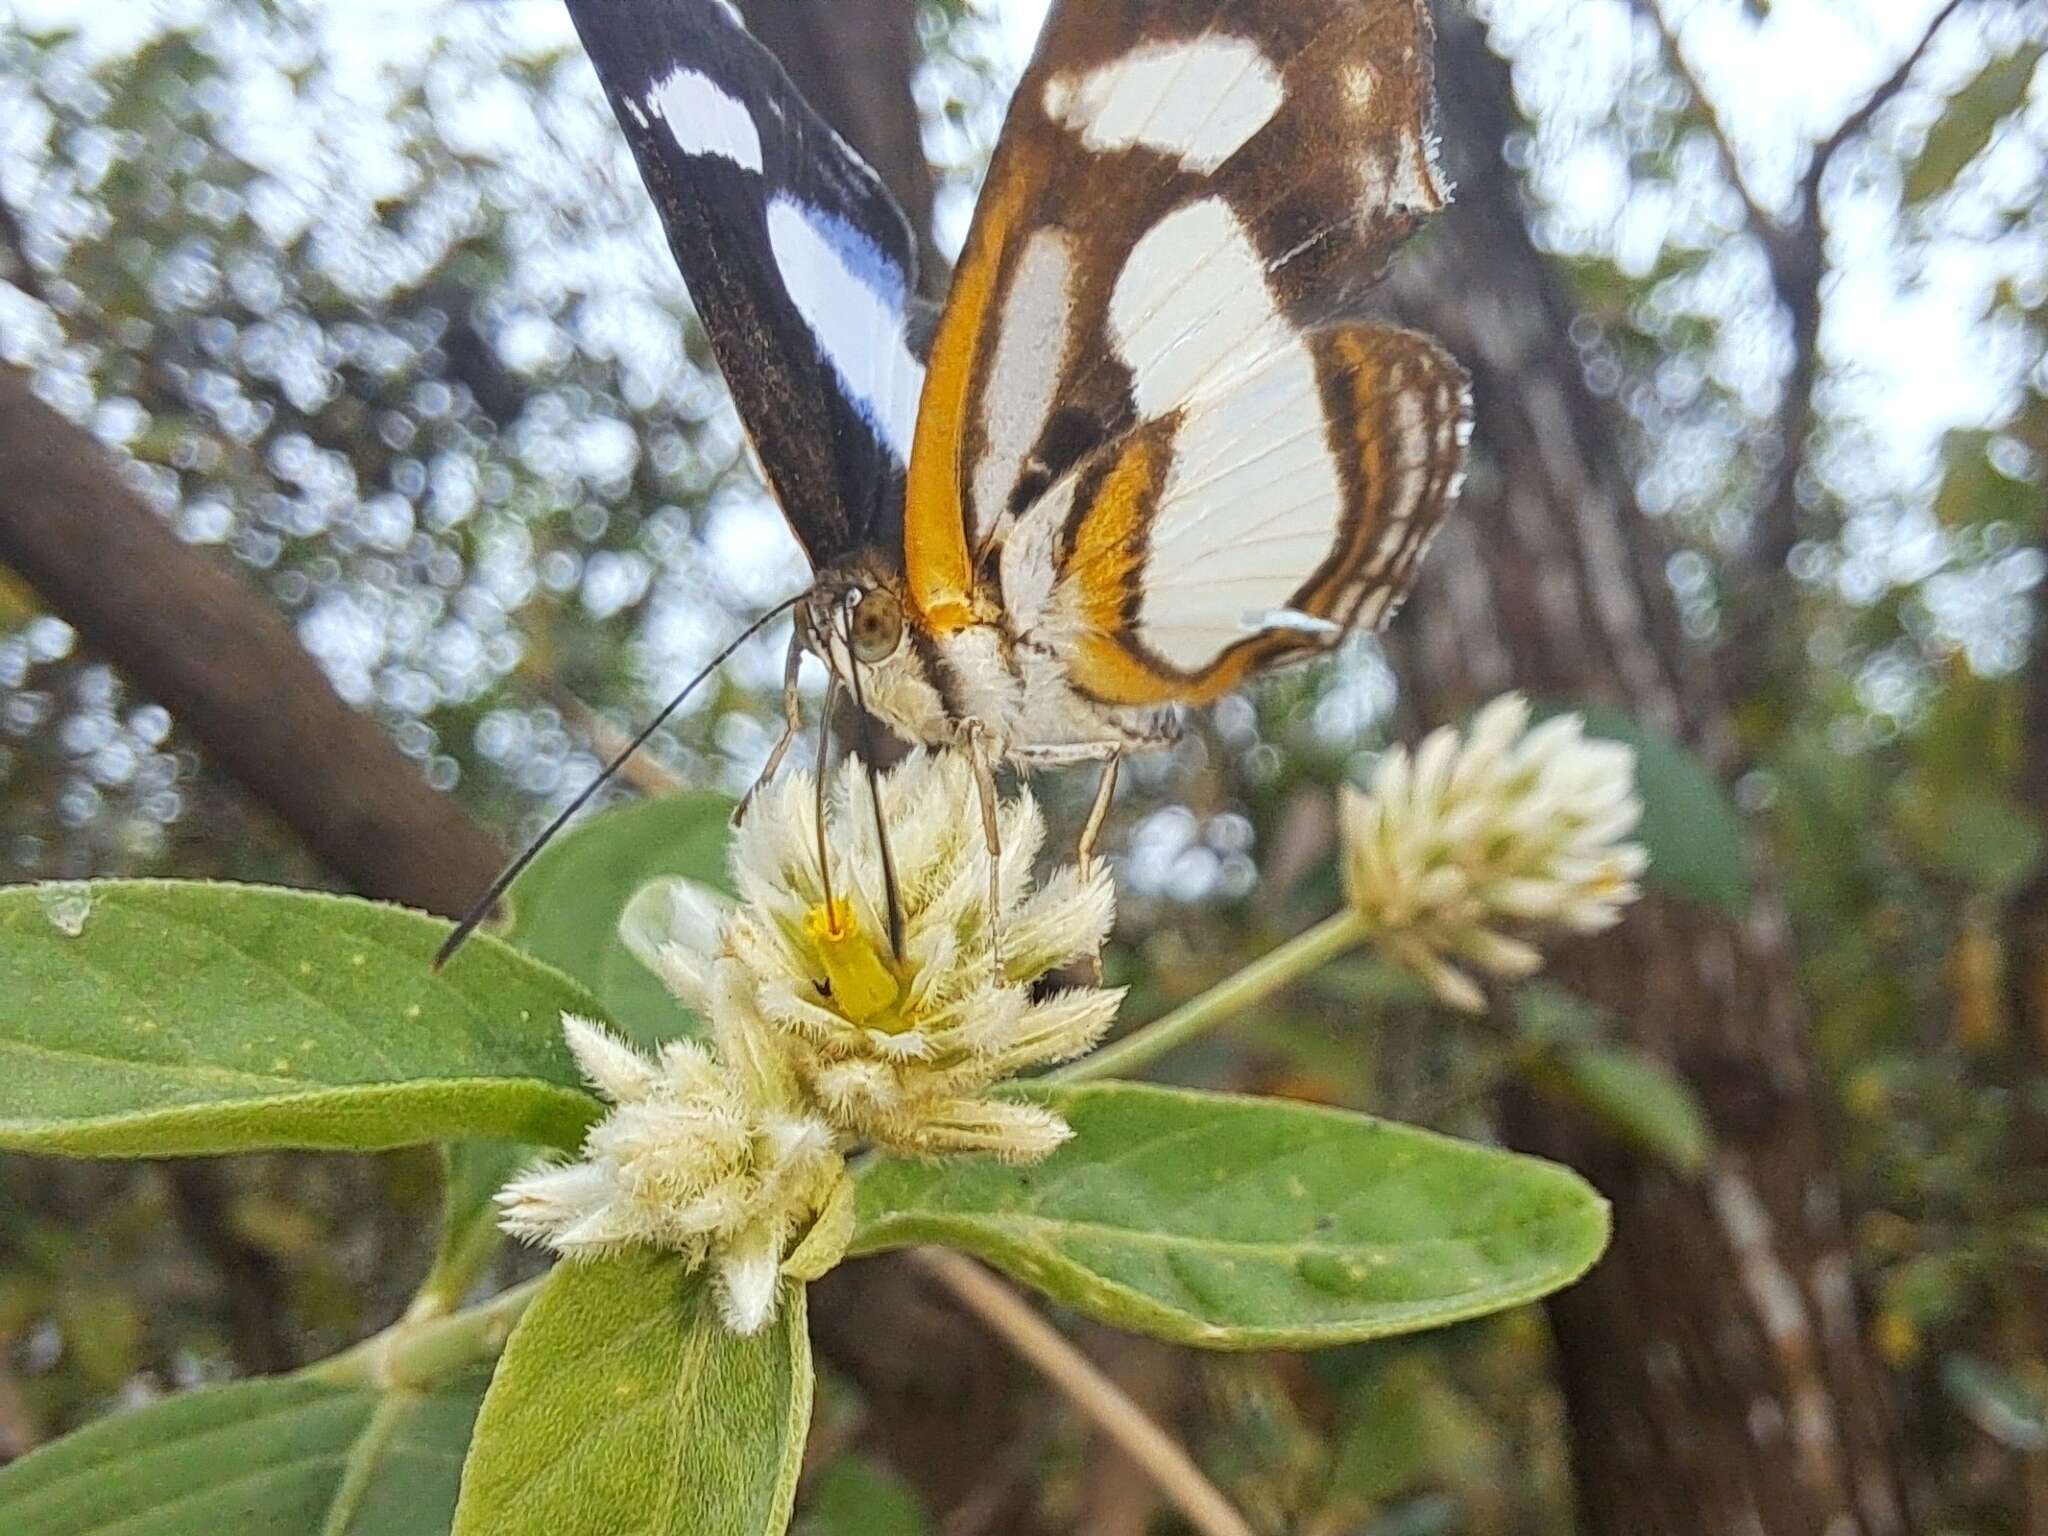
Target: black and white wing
[800, 264]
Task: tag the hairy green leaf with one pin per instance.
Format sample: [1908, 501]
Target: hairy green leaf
[1241, 1223]
[624, 1403]
[289, 1457]
[153, 1018]
[1972, 116]
[565, 910]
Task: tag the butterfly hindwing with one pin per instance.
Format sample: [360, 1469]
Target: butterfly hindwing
[801, 266]
[1264, 518]
[1185, 190]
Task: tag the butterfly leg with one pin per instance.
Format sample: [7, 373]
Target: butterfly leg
[792, 726]
[976, 738]
[1091, 834]
[1098, 814]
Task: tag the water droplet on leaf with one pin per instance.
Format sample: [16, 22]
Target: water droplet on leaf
[67, 905]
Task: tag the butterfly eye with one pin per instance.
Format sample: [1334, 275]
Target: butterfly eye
[877, 627]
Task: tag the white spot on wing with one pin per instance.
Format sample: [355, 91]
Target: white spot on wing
[1038, 304]
[1411, 186]
[704, 120]
[1192, 306]
[1202, 99]
[1249, 512]
[852, 296]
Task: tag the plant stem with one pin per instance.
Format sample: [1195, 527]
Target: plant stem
[466, 1251]
[415, 1354]
[1254, 984]
[1155, 1452]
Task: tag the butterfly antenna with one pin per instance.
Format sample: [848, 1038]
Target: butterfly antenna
[865, 725]
[488, 902]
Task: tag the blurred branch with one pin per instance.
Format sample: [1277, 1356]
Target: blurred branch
[1090, 1390]
[1761, 219]
[2026, 939]
[1724, 1296]
[213, 651]
[1854, 125]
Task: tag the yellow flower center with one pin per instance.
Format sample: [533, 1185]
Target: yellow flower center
[862, 984]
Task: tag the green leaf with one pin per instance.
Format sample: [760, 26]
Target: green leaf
[287, 1457]
[1976, 492]
[153, 1019]
[1972, 116]
[856, 1497]
[1635, 1096]
[565, 910]
[624, 1403]
[1689, 827]
[1243, 1223]
[1976, 834]
[2012, 1411]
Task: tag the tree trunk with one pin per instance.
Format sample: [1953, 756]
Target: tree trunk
[2027, 990]
[1716, 1371]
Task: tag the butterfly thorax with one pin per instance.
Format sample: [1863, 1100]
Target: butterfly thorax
[975, 673]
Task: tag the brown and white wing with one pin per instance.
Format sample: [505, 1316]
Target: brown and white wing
[1262, 520]
[1185, 210]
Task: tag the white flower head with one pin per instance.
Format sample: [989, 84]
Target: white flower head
[1454, 855]
[717, 1160]
[900, 1051]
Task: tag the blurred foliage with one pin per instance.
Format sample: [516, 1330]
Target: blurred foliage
[380, 314]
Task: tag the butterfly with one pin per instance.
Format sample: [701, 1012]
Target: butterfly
[1151, 445]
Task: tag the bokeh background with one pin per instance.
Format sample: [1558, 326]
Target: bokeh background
[345, 378]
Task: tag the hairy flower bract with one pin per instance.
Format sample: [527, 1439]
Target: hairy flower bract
[716, 1158]
[898, 1051]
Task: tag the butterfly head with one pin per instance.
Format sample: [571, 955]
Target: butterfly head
[860, 623]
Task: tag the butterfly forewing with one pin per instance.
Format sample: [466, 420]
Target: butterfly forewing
[1183, 191]
[800, 265]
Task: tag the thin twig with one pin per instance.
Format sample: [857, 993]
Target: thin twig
[1856, 122]
[1795, 252]
[1088, 1389]
[1717, 129]
[641, 771]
